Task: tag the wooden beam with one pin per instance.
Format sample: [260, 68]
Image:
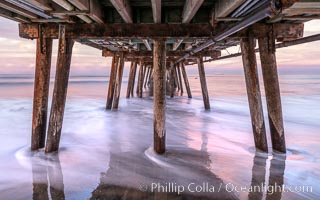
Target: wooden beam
[16, 9]
[117, 90]
[254, 94]
[303, 40]
[43, 4]
[113, 31]
[112, 81]
[81, 4]
[301, 11]
[123, 9]
[69, 7]
[203, 82]
[156, 10]
[272, 91]
[225, 7]
[13, 16]
[59, 92]
[93, 6]
[159, 96]
[190, 9]
[143, 31]
[138, 54]
[41, 93]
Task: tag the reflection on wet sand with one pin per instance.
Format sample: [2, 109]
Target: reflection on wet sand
[277, 167]
[178, 168]
[276, 173]
[47, 178]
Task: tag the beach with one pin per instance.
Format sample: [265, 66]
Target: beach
[108, 154]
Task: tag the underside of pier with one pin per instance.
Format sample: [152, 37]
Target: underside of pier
[160, 38]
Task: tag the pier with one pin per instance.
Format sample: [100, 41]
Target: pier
[160, 39]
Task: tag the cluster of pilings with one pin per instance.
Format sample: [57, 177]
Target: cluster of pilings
[41, 92]
[160, 75]
[157, 76]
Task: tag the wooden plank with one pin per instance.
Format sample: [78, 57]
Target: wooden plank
[41, 93]
[186, 81]
[254, 94]
[204, 89]
[156, 10]
[190, 9]
[123, 9]
[16, 9]
[117, 90]
[59, 92]
[272, 90]
[225, 7]
[112, 81]
[159, 94]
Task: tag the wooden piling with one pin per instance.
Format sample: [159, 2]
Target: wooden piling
[118, 82]
[139, 77]
[134, 77]
[130, 79]
[176, 78]
[146, 77]
[203, 82]
[180, 79]
[159, 93]
[41, 92]
[272, 90]
[140, 81]
[60, 91]
[186, 81]
[112, 81]
[172, 80]
[253, 91]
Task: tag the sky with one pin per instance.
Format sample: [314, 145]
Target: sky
[17, 56]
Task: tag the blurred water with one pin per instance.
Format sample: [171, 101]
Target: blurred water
[108, 154]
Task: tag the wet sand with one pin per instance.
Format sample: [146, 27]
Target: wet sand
[210, 155]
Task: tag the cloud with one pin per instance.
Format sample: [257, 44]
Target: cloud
[17, 55]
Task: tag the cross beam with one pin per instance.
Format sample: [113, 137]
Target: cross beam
[139, 54]
[150, 31]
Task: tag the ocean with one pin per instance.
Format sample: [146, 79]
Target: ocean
[210, 154]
